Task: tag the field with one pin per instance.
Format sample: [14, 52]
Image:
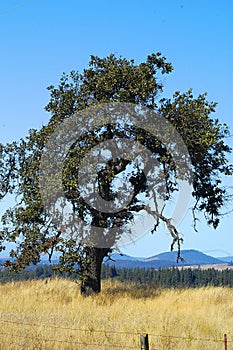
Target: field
[51, 314]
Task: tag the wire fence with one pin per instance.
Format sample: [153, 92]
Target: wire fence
[11, 339]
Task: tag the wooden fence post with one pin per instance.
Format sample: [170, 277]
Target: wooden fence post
[225, 341]
[144, 340]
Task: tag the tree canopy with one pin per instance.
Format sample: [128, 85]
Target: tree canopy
[100, 89]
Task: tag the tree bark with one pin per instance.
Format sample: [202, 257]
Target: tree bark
[91, 279]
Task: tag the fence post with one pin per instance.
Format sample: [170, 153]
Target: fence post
[144, 340]
[225, 341]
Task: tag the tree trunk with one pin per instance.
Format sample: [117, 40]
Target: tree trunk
[91, 275]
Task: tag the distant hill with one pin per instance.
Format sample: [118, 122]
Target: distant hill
[121, 263]
[191, 256]
[166, 259]
[163, 260]
[227, 259]
[125, 257]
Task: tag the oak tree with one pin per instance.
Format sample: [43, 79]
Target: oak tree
[105, 85]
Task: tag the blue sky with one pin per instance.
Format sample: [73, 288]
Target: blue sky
[40, 39]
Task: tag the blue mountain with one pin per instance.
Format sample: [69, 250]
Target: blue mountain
[191, 257]
[162, 260]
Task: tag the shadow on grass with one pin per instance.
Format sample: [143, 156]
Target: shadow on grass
[129, 289]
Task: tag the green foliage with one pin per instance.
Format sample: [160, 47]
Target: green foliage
[39, 272]
[172, 277]
[204, 138]
[163, 278]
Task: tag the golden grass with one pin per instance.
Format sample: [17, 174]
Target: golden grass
[51, 314]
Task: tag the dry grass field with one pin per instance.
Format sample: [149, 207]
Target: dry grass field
[51, 314]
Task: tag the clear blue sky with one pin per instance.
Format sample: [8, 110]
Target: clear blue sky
[40, 39]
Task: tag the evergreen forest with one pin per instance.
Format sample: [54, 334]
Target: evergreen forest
[163, 278]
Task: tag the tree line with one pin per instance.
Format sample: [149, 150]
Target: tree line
[165, 278]
[171, 277]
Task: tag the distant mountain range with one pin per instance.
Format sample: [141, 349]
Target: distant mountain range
[167, 259]
[227, 259]
[163, 260]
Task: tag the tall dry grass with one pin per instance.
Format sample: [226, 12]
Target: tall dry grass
[51, 314]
